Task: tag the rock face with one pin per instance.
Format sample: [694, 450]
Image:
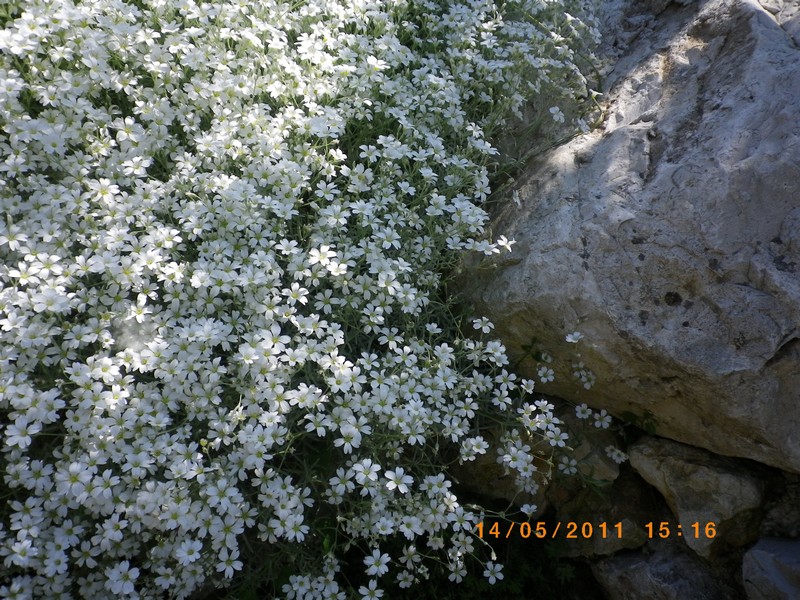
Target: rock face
[670, 237]
[666, 573]
[771, 570]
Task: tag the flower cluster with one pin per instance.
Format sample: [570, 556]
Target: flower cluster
[223, 232]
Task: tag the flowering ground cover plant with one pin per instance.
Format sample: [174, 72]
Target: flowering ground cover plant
[223, 346]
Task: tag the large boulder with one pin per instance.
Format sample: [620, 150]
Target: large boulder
[670, 236]
[771, 570]
[716, 503]
[666, 572]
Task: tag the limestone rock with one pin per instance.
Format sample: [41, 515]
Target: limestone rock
[671, 237]
[787, 13]
[771, 570]
[668, 573]
[700, 488]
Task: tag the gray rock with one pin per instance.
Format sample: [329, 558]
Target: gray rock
[787, 14]
[666, 573]
[701, 489]
[771, 570]
[671, 237]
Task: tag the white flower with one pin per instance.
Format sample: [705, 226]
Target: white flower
[22, 551]
[351, 438]
[602, 419]
[615, 454]
[484, 324]
[405, 579]
[398, 480]
[322, 255]
[366, 471]
[371, 591]
[493, 572]
[568, 465]
[50, 299]
[188, 551]
[582, 411]
[121, 578]
[228, 562]
[556, 437]
[546, 374]
[504, 242]
[377, 563]
[20, 431]
[575, 337]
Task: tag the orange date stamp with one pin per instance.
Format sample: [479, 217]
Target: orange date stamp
[574, 530]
